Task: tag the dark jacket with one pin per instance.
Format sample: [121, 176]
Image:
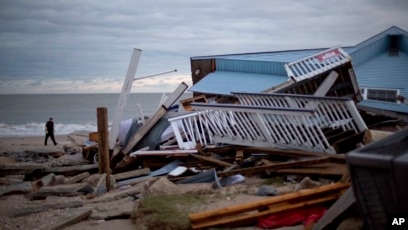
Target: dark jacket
[50, 127]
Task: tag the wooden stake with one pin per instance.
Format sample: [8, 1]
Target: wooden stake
[103, 150]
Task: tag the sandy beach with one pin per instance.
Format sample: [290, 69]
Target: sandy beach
[23, 143]
[10, 203]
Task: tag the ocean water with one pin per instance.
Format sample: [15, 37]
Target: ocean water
[25, 115]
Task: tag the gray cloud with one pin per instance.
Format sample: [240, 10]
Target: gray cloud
[92, 41]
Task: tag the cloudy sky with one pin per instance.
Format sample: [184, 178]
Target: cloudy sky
[77, 46]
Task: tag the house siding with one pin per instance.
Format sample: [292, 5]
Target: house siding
[249, 66]
[369, 51]
[404, 44]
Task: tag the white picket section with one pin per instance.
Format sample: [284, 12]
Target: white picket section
[331, 111]
[316, 64]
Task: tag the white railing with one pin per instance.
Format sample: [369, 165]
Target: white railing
[316, 64]
[251, 126]
[189, 129]
[333, 112]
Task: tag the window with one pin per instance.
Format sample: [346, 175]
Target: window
[389, 95]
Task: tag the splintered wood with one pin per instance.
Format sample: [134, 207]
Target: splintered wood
[244, 214]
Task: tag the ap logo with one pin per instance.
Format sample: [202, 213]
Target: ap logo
[398, 221]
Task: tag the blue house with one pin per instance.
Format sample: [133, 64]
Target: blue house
[380, 64]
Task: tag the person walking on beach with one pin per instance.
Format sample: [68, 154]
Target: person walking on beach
[49, 131]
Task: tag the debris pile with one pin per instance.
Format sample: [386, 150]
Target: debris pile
[300, 132]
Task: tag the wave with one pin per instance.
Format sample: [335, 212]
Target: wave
[38, 129]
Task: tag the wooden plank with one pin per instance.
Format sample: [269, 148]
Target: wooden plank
[123, 213]
[24, 187]
[30, 209]
[250, 212]
[21, 166]
[337, 209]
[239, 156]
[72, 216]
[326, 84]
[212, 160]
[131, 174]
[294, 153]
[253, 217]
[10, 181]
[340, 136]
[184, 152]
[77, 178]
[375, 135]
[349, 143]
[119, 194]
[71, 169]
[327, 169]
[155, 118]
[67, 190]
[124, 96]
[275, 167]
[266, 162]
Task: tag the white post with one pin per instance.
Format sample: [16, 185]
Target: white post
[123, 98]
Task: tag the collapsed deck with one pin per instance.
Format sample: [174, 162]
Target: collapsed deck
[271, 120]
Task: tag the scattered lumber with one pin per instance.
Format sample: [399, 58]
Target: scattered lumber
[243, 214]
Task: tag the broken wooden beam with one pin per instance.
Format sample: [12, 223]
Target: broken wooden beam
[239, 215]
